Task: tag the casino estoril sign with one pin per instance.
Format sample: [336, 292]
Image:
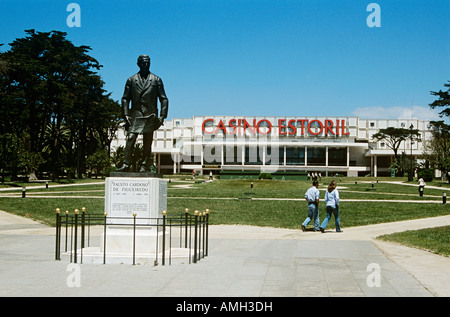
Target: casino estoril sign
[285, 127]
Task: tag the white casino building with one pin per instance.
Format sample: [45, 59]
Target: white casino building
[328, 145]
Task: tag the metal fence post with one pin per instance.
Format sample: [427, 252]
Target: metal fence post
[207, 229]
[67, 226]
[186, 212]
[58, 234]
[164, 214]
[195, 235]
[75, 237]
[203, 233]
[190, 240]
[134, 238]
[104, 238]
[83, 220]
[157, 242]
[71, 240]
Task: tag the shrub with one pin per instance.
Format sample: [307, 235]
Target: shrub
[427, 174]
[265, 176]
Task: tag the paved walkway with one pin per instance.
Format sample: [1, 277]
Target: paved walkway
[243, 261]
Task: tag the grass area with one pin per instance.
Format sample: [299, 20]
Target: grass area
[229, 201]
[297, 189]
[290, 214]
[235, 202]
[43, 209]
[436, 240]
[40, 183]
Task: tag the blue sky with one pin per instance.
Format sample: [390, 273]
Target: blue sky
[262, 57]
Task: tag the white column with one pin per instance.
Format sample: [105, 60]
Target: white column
[264, 154]
[348, 156]
[306, 156]
[201, 160]
[371, 166]
[175, 164]
[201, 154]
[375, 167]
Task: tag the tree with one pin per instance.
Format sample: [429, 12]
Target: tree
[395, 136]
[98, 161]
[49, 88]
[437, 150]
[442, 101]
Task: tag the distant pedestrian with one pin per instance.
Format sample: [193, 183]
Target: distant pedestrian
[332, 201]
[421, 186]
[312, 196]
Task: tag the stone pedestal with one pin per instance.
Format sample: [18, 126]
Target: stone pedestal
[121, 240]
[144, 196]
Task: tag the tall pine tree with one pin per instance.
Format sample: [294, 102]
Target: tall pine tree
[52, 96]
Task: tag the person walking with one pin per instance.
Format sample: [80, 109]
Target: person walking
[312, 196]
[332, 201]
[421, 186]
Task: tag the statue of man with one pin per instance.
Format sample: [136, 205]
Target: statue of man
[143, 90]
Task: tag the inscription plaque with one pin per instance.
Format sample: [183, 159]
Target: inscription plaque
[147, 197]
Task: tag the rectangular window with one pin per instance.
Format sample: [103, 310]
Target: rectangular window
[253, 155]
[295, 155]
[316, 156]
[337, 156]
[233, 155]
[212, 154]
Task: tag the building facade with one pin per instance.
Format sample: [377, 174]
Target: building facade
[329, 145]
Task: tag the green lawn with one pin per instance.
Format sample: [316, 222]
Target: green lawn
[290, 214]
[235, 202]
[436, 240]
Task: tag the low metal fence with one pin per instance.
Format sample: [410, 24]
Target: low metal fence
[185, 230]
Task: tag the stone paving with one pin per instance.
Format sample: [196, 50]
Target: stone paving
[242, 261]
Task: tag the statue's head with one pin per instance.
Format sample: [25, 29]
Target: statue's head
[144, 62]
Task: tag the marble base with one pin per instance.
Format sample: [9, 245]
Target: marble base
[119, 240]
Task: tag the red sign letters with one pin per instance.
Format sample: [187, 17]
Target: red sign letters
[315, 127]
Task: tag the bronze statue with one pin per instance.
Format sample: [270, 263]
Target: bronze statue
[143, 90]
